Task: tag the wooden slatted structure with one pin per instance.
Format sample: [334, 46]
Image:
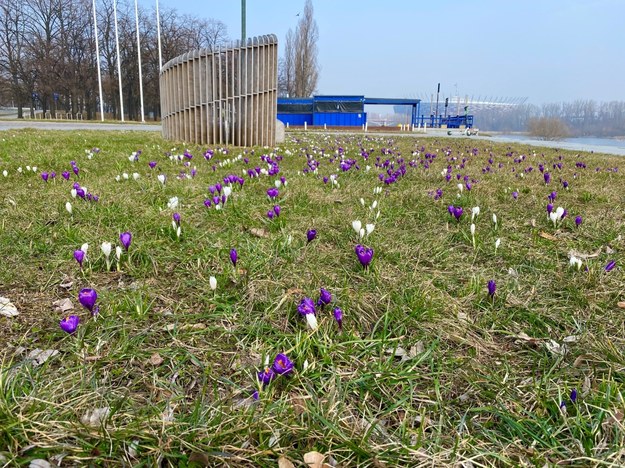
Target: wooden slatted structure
[225, 96]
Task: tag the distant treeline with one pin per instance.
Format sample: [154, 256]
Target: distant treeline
[582, 117]
[48, 54]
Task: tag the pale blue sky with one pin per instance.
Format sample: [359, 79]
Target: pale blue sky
[546, 50]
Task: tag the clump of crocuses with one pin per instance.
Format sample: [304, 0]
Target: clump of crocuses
[306, 307]
[455, 211]
[364, 254]
[282, 365]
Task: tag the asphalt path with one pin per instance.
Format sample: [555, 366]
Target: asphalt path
[47, 125]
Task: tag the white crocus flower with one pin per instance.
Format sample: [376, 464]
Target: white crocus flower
[106, 250]
[362, 201]
[118, 252]
[377, 215]
[559, 212]
[357, 225]
[161, 178]
[172, 204]
[228, 190]
[495, 220]
[460, 187]
[362, 232]
[19, 169]
[73, 192]
[135, 175]
[576, 262]
[5, 173]
[178, 232]
[475, 212]
[374, 205]
[277, 183]
[68, 207]
[473, 234]
[213, 282]
[311, 319]
[554, 218]
[497, 244]
[125, 176]
[28, 168]
[369, 228]
[118, 178]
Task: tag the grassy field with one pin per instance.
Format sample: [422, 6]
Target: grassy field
[429, 367]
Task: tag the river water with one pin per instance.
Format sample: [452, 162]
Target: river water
[597, 145]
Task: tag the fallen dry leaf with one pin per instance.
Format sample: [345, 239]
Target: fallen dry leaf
[156, 359]
[7, 308]
[63, 305]
[284, 462]
[39, 356]
[96, 417]
[546, 235]
[314, 459]
[259, 232]
[621, 304]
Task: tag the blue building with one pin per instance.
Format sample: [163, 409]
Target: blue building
[336, 111]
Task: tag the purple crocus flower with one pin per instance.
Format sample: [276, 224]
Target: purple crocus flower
[311, 234]
[515, 195]
[152, 164]
[207, 203]
[176, 217]
[306, 306]
[610, 266]
[364, 254]
[578, 220]
[458, 212]
[272, 192]
[266, 376]
[52, 175]
[547, 177]
[218, 187]
[234, 256]
[565, 184]
[277, 209]
[282, 365]
[81, 192]
[450, 209]
[325, 297]
[44, 176]
[69, 324]
[492, 287]
[270, 214]
[338, 316]
[87, 298]
[549, 208]
[79, 255]
[573, 395]
[65, 175]
[75, 169]
[125, 238]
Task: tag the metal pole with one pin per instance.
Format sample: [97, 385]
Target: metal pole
[243, 34]
[437, 93]
[139, 60]
[97, 56]
[158, 33]
[119, 66]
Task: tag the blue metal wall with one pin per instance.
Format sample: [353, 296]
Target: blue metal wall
[296, 119]
[339, 119]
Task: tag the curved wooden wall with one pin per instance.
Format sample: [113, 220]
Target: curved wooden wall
[225, 96]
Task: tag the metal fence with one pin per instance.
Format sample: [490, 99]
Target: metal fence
[225, 96]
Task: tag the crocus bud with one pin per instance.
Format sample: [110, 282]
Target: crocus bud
[212, 281]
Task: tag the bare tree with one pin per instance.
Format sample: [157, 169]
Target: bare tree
[299, 70]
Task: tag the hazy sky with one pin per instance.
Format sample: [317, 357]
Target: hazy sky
[546, 50]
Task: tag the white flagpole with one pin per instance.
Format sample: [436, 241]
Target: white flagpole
[119, 66]
[158, 32]
[97, 56]
[139, 61]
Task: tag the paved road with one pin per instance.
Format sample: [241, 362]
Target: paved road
[47, 125]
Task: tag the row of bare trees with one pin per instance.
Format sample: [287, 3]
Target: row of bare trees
[48, 54]
[581, 117]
